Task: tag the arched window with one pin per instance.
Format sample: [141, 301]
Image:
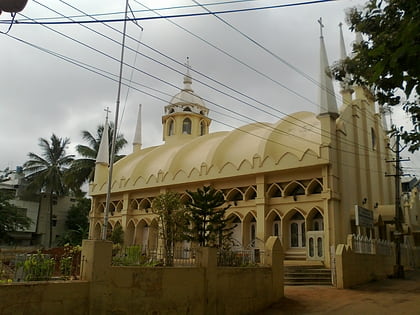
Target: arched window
[187, 109]
[186, 126]
[202, 128]
[171, 128]
[373, 138]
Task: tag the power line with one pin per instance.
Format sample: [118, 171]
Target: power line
[159, 79]
[169, 16]
[92, 69]
[141, 11]
[202, 74]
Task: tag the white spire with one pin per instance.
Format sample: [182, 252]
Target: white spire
[327, 102]
[137, 133]
[343, 53]
[103, 151]
[187, 77]
[345, 85]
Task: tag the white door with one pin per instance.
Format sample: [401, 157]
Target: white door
[315, 248]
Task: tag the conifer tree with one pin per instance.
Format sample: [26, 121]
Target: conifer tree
[209, 227]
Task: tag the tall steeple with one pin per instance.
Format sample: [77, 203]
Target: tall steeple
[102, 158]
[137, 133]
[346, 90]
[327, 102]
[103, 151]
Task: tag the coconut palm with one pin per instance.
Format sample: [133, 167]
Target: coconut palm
[46, 172]
[83, 169]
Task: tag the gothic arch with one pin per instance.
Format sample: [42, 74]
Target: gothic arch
[314, 187]
[97, 231]
[250, 193]
[294, 188]
[234, 195]
[170, 127]
[274, 190]
[186, 126]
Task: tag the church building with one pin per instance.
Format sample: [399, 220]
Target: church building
[299, 178]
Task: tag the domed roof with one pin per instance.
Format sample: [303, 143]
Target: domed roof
[259, 147]
[186, 97]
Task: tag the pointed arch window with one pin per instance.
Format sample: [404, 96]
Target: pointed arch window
[186, 126]
[373, 138]
[171, 128]
[202, 128]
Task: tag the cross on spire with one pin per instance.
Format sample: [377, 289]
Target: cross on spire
[107, 112]
[320, 26]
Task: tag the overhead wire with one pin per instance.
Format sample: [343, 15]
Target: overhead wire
[224, 85]
[95, 70]
[277, 57]
[174, 15]
[140, 11]
[244, 116]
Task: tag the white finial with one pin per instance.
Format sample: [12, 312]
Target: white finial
[327, 102]
[137, 133]
[321, 26]
[103, 151]
[187, 77]
[343, 53]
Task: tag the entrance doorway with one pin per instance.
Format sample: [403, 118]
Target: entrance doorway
[297, 231]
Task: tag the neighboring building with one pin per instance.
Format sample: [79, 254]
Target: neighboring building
[36, 207]
[299, 178]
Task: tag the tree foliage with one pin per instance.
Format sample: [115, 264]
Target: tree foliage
[172, 221]
[83, 169]
[207, 215]
[387, 60]
[11, 217]
[46, 172]
[77, 223]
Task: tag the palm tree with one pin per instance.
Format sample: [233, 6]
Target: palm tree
[83, 169]
[46, 172]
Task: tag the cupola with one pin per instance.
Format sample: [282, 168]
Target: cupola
[186, 116]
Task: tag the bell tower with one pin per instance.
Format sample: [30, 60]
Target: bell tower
[186, 116]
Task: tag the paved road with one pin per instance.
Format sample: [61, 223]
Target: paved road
[389, 296]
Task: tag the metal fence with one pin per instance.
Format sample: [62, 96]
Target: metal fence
[240, 258]
[138, 255]
[54, 264]
[363, 245]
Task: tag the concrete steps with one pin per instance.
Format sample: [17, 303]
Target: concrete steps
[307, 275]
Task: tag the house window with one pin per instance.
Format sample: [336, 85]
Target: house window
[186, 126]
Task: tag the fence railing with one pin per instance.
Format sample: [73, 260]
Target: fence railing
[240, 258]
[363, 245]
[138, 255]
[53, 264]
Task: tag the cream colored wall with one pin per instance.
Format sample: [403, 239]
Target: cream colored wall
[205, 289]
[353, 268]
[362, 167]
[40, 298]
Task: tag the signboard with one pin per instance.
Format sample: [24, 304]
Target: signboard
[363, 216]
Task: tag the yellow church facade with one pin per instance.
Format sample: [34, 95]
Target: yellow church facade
[299, 178]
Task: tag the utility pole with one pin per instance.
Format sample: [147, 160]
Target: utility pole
[398, 233]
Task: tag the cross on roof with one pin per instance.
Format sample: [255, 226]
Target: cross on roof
[107, 112]
[320, 25]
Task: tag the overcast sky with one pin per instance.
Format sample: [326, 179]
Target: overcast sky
[41, 94]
